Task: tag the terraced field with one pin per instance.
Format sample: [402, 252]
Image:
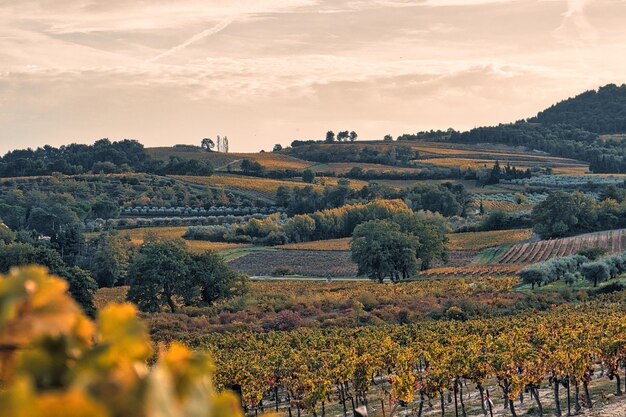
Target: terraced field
[264, 188]
[477, 156]
[614, 241]
[260, 187]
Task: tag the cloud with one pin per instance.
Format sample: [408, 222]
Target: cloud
[166, 72]
[575, 27]
[195, 38]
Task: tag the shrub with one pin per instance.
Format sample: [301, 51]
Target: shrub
[281, 271]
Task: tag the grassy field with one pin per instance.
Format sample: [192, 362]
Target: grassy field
[139, 235]
[272, 160]
[217, 159]
[471, 241]
[482, 240]
[220, 160]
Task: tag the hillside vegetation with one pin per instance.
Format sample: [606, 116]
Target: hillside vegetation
[601, 111]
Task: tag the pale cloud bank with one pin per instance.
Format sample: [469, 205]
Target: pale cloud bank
[268, 71]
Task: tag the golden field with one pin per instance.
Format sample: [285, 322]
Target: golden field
[263, 186]
[490, 205]
[272, 160]
[220, 160]
[482, 240]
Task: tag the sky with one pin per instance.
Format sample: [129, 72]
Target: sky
[270, 71]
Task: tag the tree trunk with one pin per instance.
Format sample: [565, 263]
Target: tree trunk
[169, 301]
[289, 402]
[342, 394]
[482, 397]
[588, 404]
[535, 391]
[618, 383]
[557, 401]
[512, 406]
[577, 406]
[463, 413]
[569, 401]
[443, 409]
[419, 411]
[489, 404]
[456, 401]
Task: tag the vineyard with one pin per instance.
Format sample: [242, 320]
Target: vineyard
[614, 241]
[409, 367]
[311, 263]
[569, 181]
[491, 205]
[260, 187]
[264, 188]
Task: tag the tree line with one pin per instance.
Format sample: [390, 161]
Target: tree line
[412, 240]
[448, 199]
[103, 157]
[571, 213]
[600, 111]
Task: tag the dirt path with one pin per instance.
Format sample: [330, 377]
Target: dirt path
[613, 409]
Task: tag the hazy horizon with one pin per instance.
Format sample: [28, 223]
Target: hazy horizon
[270, 71]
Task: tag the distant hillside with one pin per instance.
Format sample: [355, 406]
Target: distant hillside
[602, 111]
[569, 129]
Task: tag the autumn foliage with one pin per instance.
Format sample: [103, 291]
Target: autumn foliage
[54, 361]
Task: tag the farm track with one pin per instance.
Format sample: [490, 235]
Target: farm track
[473, 271]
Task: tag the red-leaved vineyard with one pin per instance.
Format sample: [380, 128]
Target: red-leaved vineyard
[614, 241]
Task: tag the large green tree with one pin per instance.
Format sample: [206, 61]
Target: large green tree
[216, 281]
[159, 274]
[111, 260]
[564, 214]
[381, 250]
[164, 273]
